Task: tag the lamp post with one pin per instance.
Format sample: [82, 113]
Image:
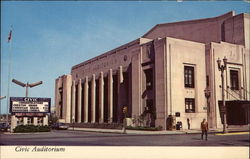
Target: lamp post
[73, 121]
[27, 85]
[222, 68]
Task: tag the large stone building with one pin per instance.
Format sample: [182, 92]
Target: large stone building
[164, 74]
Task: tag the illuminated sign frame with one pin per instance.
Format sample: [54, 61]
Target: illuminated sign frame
[30, 105]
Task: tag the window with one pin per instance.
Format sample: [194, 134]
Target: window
[189, 105]
[149, 79]
[234, 78]
[189, 76]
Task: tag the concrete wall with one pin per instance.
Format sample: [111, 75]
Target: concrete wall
[203, 30]
[235, 56]
[63, 102]
[161, 91]
[121, 56]
[182, 53]
[247, 30]
[234, 30]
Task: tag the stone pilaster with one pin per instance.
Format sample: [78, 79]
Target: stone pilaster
[67, 86]
[73, 103]
[101, 98]
[79, 106]
[86, 87]
[110, 96]
[93, 86]
[120, 75]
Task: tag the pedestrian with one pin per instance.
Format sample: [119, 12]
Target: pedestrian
[188, 123]
[204, 128]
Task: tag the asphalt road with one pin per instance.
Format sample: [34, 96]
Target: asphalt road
[80, 138]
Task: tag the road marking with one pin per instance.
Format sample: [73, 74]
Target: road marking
[235, 133]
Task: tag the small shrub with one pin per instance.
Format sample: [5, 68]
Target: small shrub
[31, 128]
[144, 128]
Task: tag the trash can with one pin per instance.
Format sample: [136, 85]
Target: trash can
[179, 125]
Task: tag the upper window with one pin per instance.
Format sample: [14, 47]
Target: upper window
[189, 76]
[189, 105]
[234, 78]
[149, 79]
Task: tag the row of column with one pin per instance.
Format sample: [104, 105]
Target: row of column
[93, 98]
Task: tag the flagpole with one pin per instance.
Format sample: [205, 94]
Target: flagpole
[9, 73]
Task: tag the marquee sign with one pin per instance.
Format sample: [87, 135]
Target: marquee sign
[29, 105]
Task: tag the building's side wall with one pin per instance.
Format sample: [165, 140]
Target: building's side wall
[247, 30]
[234, 30]
[63, 99]
[247, 72]
[111, 60]
[234, 54]
[185, 53]
[161, 94]
[205, 30]
[67, 80]
[58, 84]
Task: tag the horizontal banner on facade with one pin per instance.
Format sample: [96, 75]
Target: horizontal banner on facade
[29, 105]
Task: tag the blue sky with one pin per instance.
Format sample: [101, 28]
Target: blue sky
[50, 37]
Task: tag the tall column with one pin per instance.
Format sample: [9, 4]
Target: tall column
[120, 95]
[73, 103]
[79, 113]
[101, 99]
[86, 87]
[93, 99]
[120, 75]
[110, 96]
[136, 83]
[67, 86]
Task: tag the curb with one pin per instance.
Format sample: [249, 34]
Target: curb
[156, 133]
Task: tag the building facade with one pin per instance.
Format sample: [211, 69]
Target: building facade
[169, 73]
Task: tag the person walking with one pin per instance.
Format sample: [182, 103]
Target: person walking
[204, 128]
[188, 123]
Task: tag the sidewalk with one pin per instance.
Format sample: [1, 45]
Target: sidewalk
[244, 128]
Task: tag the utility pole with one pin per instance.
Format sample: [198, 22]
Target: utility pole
[222, 68]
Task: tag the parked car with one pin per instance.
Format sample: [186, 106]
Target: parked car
[4, 127]
[60, 126]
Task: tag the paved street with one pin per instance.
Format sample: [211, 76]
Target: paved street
[81, 138]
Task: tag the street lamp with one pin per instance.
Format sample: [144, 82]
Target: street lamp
[222, 68]
[27, 85]
[73, 121]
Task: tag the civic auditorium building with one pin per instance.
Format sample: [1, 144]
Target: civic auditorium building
[169, 72]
